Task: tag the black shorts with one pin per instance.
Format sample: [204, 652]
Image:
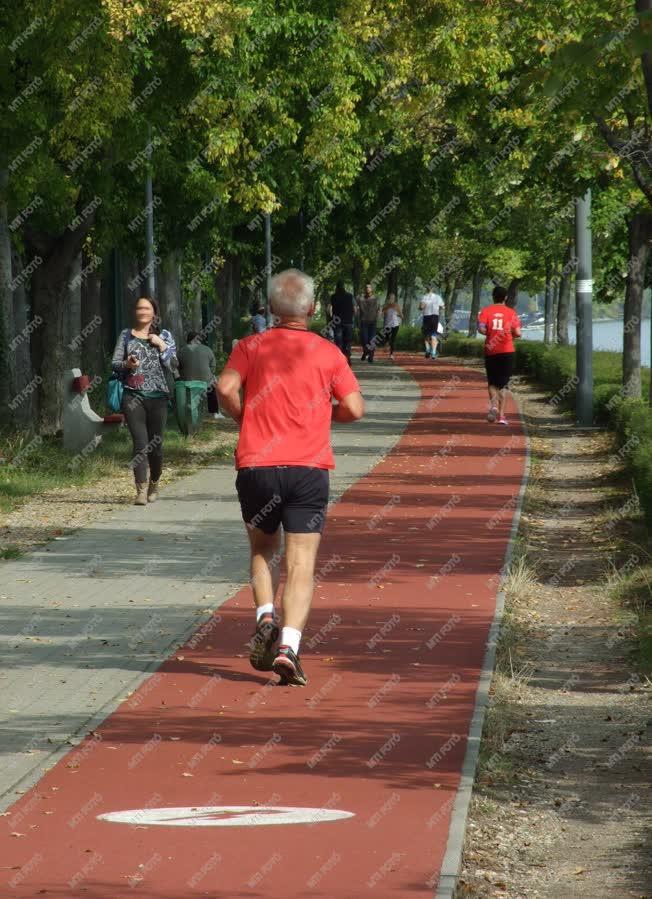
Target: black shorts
[430, 325]
[292, 495]
[499, 369]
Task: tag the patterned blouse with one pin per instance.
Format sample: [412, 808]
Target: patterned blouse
[149, 377]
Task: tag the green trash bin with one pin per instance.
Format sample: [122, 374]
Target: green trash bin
[190, 405]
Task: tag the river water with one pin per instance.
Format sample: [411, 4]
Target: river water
[607, 335]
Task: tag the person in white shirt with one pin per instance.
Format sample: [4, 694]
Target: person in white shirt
[431, 305]
[392, 322]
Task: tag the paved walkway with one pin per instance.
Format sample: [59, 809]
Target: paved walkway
[405, 598]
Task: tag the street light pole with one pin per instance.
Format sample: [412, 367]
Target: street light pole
[583, 310]
[149, 220]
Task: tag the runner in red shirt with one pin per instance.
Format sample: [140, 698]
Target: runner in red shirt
[288, 377]
[500, 324]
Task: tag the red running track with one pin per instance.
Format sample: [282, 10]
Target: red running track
[410, 564]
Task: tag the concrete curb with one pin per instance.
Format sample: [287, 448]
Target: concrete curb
[452, 861]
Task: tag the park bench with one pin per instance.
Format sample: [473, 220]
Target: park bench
[83, 428]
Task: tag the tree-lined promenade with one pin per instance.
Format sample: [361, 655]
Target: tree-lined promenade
[443, 144]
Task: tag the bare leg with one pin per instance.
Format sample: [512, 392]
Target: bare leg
[502, 396]
[494, 396]
[265, 564]
[300, 557]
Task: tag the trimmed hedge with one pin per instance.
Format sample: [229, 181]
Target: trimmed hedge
[554, 367]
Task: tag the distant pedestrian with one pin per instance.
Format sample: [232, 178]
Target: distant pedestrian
[393, 316]
[196, 360]
[432, 305]
[289, 377]
[500, 324]
[258, 319]
[197, 363]
[141, 357]
[368, 306]
[342, 312]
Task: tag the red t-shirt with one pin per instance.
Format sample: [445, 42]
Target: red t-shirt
[501, 321]
[289, 377]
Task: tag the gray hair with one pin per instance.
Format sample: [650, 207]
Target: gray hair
[291, 292]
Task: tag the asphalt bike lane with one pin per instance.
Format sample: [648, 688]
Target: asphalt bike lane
[210, 780]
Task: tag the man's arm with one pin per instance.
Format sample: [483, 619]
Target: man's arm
[349, 408]
[228, 392]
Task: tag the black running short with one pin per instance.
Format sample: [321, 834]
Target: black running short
[292, 495]
[430, 325]
[499, 369]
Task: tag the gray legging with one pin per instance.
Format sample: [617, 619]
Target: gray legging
[146, 418]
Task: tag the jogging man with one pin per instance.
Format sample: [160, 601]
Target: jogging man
[289, 377]
[500, 324]
[431, 305]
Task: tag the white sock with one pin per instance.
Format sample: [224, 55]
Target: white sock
[266, 609]
[291, 637]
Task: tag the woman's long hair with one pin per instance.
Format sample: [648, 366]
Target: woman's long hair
[155, 324]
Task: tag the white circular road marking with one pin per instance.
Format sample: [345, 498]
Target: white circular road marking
[224, 816]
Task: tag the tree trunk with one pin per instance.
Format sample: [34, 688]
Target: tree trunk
[134, 285]
[639, 229]
[169, 295]
[452, 292]
[478, 281]
[7, 376]
[195, 310]
[72, 315]
[94, 324]
[547, 327]
[356, 277]
[512, 293]
[233, 299]
[563, 302]
[22, 369]
[221, 286]
[408, 304]
[50, 356]
[392, 283]
[227, 304]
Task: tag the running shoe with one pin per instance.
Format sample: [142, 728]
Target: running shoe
[427, 354]
[263, 644]
[503, 421]
[492, 414]
[288, 667]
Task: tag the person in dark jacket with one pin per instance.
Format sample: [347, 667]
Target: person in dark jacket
[197, 363]
[342, 313]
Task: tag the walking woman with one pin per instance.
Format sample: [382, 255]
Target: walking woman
[392, 322]
[141, 355]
